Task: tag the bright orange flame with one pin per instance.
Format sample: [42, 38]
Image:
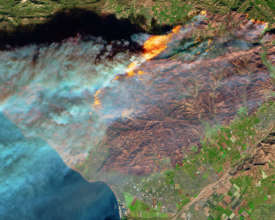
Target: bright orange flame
[156, 44]
[97, 102]
[153, 46]
[130, 69]
[176, 29]
[203, 12]
[260, 22]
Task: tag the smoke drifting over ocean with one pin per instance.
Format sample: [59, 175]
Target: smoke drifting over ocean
[117, 110]
[49, 91]
[69, 93]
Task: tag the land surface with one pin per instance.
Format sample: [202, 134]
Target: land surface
[150, 15]
[36, 184]
[197, 139]
[172, 159]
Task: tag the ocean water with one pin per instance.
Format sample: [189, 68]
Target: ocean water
[49, 90]
[48, 116]
[36, 184]
[58, 100]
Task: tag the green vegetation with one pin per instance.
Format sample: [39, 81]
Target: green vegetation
[180, 11]
[14, 13]
[254, 200]
[145, 13]
[249, 197]
[177, 12]
[223, 148]
[260, 198]
[140, 209]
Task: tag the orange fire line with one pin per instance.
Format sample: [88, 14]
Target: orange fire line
[153, 46]
[97, 103]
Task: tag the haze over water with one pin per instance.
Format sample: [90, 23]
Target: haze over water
[69, 93]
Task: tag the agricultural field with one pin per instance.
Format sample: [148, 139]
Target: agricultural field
[217, 75]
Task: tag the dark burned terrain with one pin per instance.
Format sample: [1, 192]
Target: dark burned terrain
[191, 83]
[122, 128]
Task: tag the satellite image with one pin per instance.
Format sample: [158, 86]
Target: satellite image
[137, 109]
